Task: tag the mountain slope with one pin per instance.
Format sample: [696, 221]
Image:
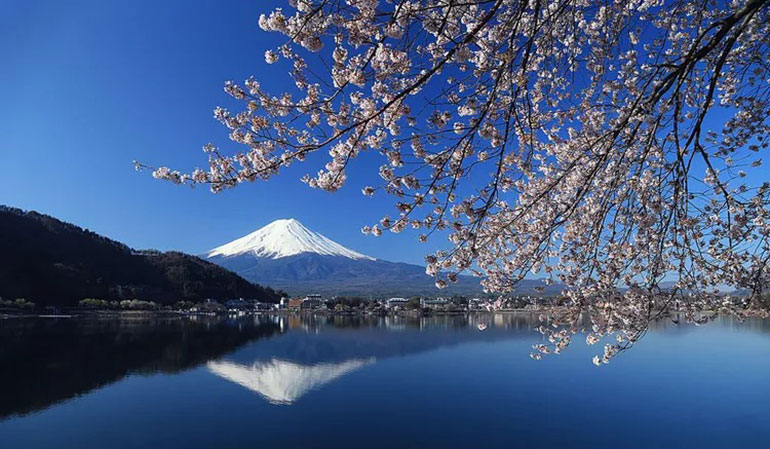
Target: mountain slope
[286, 255]
[335, 275]
[51, 262]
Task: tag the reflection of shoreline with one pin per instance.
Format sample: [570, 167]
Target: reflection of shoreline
[284, 382]
[396, 322]
[44, 362]
[293, 316]
[47, 361]
[320, 348]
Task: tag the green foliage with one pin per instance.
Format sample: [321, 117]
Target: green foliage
[210, 306]
[414, 303]
[354, 301]
[184, 305]
[138, 304]
[92, 303]
[19, 303]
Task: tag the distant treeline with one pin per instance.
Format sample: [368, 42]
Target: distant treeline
[50, 262]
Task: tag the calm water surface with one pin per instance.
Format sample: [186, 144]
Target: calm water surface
[375, 382]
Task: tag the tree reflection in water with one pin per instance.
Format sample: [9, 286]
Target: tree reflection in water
[48, 361]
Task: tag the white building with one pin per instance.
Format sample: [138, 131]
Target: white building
[396, 302]
[438, 302]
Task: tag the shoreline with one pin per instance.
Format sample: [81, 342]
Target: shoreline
[127, 314]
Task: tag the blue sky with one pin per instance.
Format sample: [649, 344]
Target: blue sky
[88, 86]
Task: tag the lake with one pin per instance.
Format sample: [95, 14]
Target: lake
[338, 382]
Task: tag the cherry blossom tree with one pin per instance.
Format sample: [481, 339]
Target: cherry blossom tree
[613, 147]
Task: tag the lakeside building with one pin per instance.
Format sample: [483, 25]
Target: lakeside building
[264, 306]
[393, 303]
[476, 304]
[433, 303]
[312, 302]
[240, 304]
[294, 303]
[309, 302]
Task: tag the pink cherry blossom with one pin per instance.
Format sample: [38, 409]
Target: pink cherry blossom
[608, 146]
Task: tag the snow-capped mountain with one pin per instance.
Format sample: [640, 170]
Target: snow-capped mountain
[288, 256]
[284, 238]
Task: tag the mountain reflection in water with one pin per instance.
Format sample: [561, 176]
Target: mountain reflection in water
[281, 358]
[283, 382]
[47, 361]
[324, 348]
[305, 381]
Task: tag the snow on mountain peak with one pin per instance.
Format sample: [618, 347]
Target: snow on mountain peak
[283, 238]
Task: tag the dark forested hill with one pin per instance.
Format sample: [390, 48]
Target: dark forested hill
[51, 262]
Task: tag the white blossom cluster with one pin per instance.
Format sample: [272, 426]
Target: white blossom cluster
[609, 146]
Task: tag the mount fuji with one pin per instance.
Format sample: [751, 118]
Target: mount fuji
[287, 255]
[284, 238]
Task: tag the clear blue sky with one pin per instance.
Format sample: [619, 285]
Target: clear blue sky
[87, 86]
